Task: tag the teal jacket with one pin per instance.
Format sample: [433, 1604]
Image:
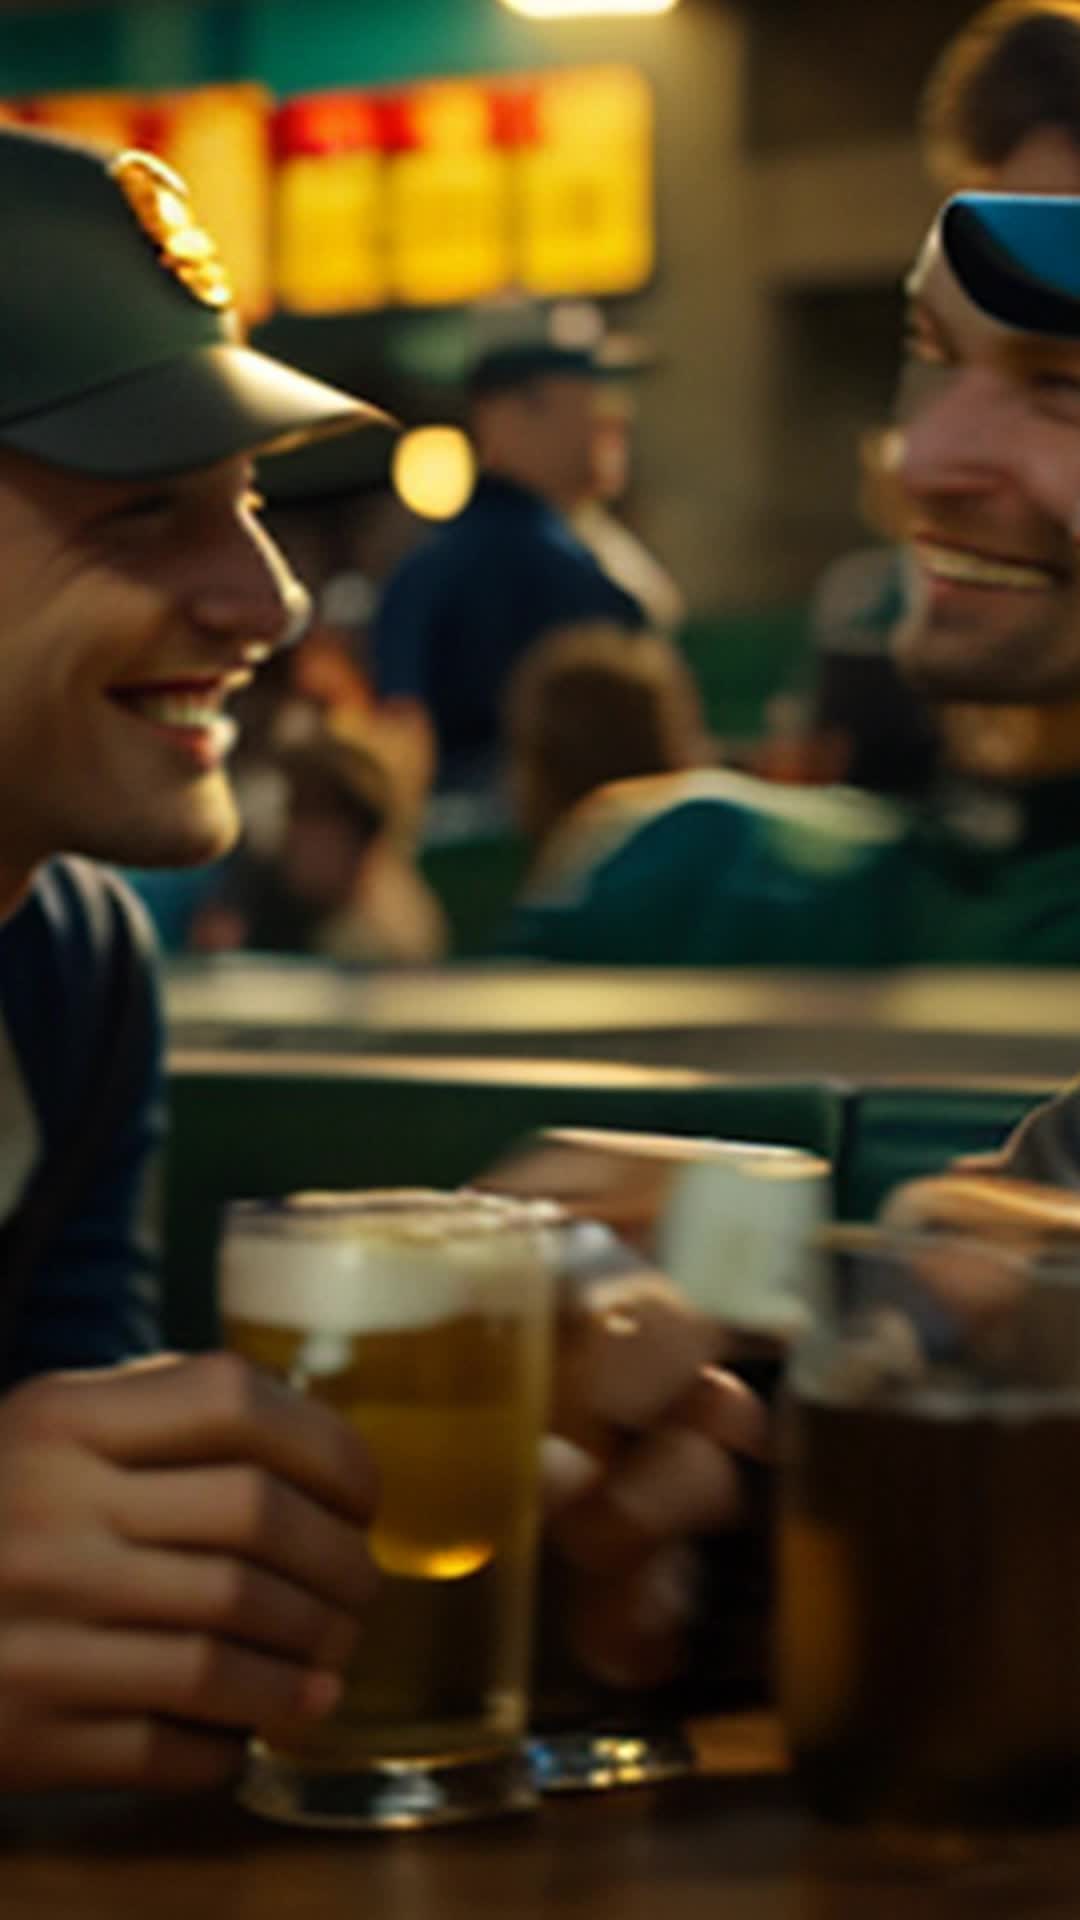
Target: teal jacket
[717, 869]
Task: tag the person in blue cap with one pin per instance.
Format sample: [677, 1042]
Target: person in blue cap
[724, 871]
[988, 457]
[462, 608]
[989, 473]
[183, 1551]
[990, 784]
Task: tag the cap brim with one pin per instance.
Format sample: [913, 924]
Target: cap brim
[1017, 257]
[623, 356]
[205, 406]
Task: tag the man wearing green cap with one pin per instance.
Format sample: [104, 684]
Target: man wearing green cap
[150, 1603]
[182, 1542]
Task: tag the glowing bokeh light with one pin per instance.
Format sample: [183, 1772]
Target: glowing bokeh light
[434, 471]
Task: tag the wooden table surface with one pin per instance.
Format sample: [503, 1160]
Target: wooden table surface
[949, 1022]
[728, 1845]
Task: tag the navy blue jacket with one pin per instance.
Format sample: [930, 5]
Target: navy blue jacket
[77, 945]
[463, 607]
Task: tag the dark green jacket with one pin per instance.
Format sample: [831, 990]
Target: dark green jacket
[721, 869]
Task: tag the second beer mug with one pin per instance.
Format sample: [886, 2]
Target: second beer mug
[425, 1319]
[930, 1555]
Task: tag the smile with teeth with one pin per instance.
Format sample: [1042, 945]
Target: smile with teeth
[984, 570]
[184, 707]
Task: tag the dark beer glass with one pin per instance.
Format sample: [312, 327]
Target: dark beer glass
[929, 1630]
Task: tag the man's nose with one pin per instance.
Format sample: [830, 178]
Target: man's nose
[250, 594]
[958, 440]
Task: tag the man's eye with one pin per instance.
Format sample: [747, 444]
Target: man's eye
[922, 379]
[143, 509]
[1057, 385]
[923, 345]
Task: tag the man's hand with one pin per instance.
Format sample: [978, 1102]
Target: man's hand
[977, 1198]
[646, 1434]
[182, 1561]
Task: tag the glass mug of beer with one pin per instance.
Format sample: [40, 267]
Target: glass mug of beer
[929, 1630]
[729, 1221]
[425, 1319]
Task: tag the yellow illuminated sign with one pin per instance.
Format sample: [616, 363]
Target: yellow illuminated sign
[448, 201]
[109, 119]
[218, 138]
[329, 256]
[437, 195]
[586, 186]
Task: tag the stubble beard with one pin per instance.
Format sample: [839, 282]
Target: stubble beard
[953, 658]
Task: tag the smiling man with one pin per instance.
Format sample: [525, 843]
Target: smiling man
[989, 471]
[183, 1550]
[182, 1547]
[137, 592]
[984, 476]
[990, 453]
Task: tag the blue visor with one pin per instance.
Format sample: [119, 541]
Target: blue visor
[1017, 257]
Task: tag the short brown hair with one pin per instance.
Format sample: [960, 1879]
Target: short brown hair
[1013, 69]
[593, 703]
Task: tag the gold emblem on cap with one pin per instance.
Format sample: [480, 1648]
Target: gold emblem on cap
[162, 205]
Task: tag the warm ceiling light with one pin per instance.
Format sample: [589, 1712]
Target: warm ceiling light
[579, 9]
[434, 471]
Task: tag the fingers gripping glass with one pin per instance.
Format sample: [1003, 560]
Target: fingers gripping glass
[423, 1318]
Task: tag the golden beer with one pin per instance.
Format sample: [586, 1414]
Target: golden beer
[424, 1320]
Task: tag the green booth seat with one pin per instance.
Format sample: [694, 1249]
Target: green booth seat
[899, 1133]
[250, 1126]
[741, 657]
[476, 881]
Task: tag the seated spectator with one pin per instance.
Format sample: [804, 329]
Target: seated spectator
[590, 704]
[718, 868]
[339, 882]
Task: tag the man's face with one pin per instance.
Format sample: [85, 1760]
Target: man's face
[128, 614]
[989, 472]
[560, 415]
[610, 445]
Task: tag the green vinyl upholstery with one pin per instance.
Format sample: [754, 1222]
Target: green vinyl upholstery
[476, 881]
[898, 1133]
[250, 1126]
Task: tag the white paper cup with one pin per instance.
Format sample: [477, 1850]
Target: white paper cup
[738, 1233]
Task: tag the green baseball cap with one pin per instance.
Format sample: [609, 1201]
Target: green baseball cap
[506, 368]
[120, 349]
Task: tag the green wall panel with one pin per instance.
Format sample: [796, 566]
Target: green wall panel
[59, 50]
[145, 43]
[292, 45]
[325, 43]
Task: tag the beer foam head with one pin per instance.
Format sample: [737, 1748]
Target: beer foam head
[379, 1262]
